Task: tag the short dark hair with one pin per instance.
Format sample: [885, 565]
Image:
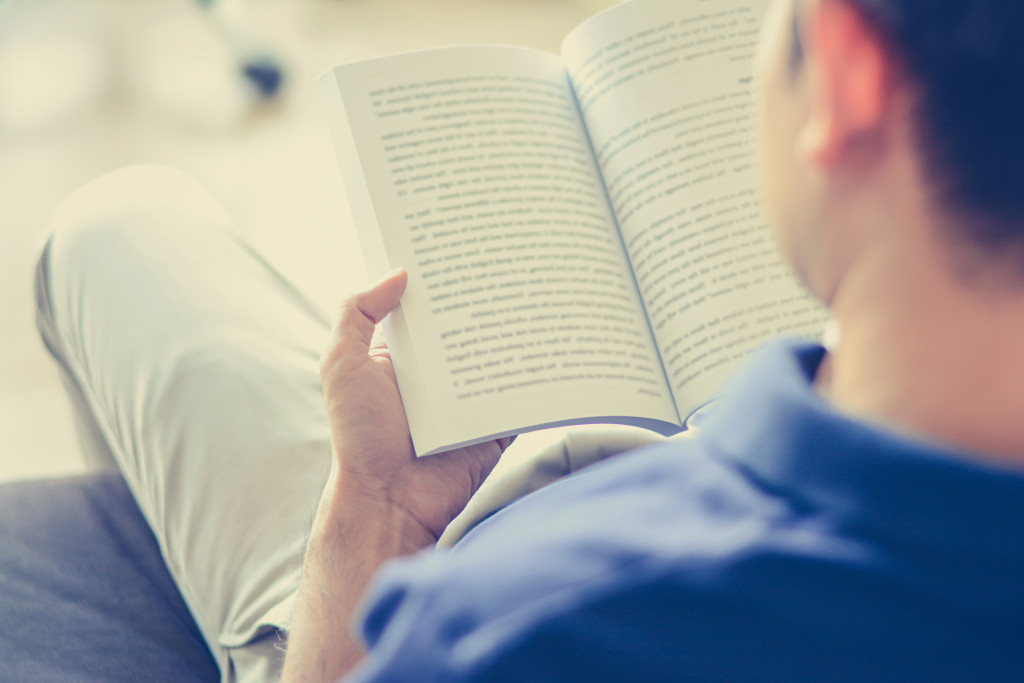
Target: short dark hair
[966, 60]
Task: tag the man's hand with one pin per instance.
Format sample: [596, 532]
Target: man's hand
[374, 462]
[380, 501]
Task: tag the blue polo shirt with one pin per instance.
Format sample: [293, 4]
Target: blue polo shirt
[785, 543]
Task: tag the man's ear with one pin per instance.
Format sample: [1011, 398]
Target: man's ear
[848, 69]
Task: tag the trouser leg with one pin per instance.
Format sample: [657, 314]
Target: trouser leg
[95, 450]
[195, 366]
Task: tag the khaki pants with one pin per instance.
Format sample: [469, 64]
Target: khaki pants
[193, 368]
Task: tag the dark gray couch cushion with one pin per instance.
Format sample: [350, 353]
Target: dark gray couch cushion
[84, 593]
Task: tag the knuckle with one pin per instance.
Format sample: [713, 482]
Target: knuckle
[352, 310]
[349, 304]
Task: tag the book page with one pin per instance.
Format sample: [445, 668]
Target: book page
[665, 90]
[469, 168]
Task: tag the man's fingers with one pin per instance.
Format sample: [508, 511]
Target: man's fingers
[379, 345]
[378, 341]
[505, 442]
[353, 332]
[382, 298]
[362, 311]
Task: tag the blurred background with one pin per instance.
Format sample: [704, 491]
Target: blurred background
[223, 90]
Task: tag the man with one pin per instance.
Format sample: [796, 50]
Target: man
[849, 516]
[869, 536]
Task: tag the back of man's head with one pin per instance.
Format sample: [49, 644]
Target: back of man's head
[892, 149]
[965, 59]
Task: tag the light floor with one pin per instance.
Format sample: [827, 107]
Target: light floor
[277, 176]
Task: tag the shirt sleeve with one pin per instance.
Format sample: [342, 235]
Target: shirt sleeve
[767, 618]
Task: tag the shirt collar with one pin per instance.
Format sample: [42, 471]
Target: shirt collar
[773, 424]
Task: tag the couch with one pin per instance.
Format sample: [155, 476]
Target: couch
[84, 593]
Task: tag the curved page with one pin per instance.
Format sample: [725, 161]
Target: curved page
[469, 168]
[665, 90]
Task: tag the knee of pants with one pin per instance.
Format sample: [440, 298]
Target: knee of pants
[104, 208]
[107, 211]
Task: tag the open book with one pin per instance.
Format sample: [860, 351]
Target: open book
[582, 232]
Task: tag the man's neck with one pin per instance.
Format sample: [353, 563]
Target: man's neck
[926, 353]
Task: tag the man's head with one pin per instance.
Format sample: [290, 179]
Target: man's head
[877, 109]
